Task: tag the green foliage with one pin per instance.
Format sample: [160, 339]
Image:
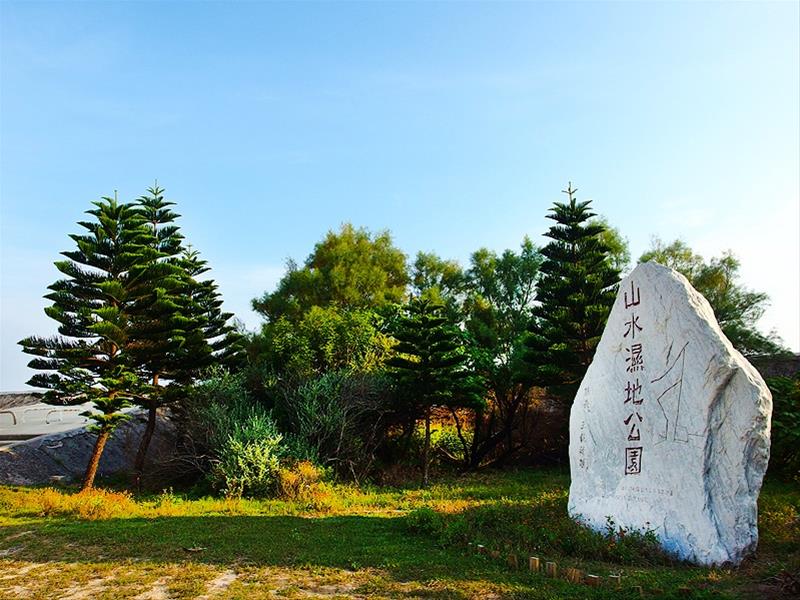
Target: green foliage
[501, 290]
[619, 253]
[575, 294]
[437, 279]
[323, 339]
[248, 461]
[499, 299]
[432, 367]
[676, 255]
[449, 445]
[737, 309]
[240, 436]
[337, 419]
[181, 329]
[351, 269]
[785, 447]
[541, 527]
[95, 306]
[210, 337]
[131, 313]
[425, 520]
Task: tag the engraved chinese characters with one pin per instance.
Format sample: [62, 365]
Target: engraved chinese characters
[669, 430]
[633, 389]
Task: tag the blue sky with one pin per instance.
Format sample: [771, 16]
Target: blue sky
[454, 125]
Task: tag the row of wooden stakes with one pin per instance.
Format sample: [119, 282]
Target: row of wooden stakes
[551, 568]
[570, 573]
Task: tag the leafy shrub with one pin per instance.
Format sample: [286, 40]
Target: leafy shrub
[445, 442]
[338, 419]
[785, 448]
[248, 461]
[235, 436]
[425, 520]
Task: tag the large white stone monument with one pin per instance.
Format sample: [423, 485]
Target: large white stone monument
[670, 428]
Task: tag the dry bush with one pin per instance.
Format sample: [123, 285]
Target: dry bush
[94, 504]
[302, 481]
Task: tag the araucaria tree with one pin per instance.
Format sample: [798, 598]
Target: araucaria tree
[133, 317]
[159, 323]
[89, 361]
[179, 328]
[575, 294]
[432, 367]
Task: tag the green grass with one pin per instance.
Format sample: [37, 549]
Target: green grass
[350, 542]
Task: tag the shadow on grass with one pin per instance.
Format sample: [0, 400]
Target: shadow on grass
[345, 542]
[340, 542]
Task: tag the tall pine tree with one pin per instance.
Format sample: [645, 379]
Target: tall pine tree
[432, 367]
[575, 294]
[89, 360]
[136, 323]
[181, 329]
[160, 323]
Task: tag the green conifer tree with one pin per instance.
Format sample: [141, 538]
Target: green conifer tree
[575, 294]
[213, 338]
[180, 327]
[160, 324]
[432, 367]
[89, 361]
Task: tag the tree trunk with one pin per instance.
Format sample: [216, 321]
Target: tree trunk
[144, 444]
[426, 449]
[94, 461]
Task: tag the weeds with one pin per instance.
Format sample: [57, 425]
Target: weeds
[89, 505]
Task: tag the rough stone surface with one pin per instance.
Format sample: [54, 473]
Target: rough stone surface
[670, 428]
[66, 454]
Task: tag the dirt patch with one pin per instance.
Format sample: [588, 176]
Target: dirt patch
[86, 591]
[219, 584]
[157, 592]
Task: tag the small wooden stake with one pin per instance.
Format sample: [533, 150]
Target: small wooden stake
[574, 575]
[640, 589]
[551, 569]
[481, 549]
[533, 563]
[512, 561]
[593, 580]
[615, 580]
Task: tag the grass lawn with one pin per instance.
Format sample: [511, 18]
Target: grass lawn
[355, 543]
